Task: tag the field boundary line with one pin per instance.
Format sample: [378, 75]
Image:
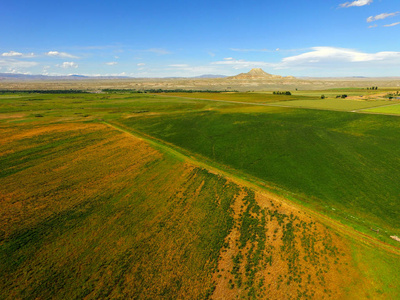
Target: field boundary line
[361, 110]
[253, 183]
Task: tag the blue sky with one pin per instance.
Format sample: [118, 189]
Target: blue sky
[156, 38]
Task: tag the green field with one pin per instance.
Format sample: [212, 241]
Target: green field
[342, 161]
[334, 104]
[154, 197]
[243, 97]
[390, 110]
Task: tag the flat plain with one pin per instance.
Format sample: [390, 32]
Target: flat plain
[208, 195]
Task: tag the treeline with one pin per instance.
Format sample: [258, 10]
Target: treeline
[43, 92]
[392, 95]
[163, 91]
[372, 88]
[282, 93]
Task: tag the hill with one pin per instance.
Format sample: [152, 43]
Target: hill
[258, 73]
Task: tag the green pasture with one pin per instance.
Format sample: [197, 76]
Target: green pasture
[345, 164]
[354, 92]
[244, 97]
[390, 110]
[334, 104]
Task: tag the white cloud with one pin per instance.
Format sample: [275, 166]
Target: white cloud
[382, 16]
[68, 64]
[332, 54]
[242, 64]
[228, 58]
[12, 53]
[17, 54]
[356, 3]
[179, 65]
[141, 64]
[391, 25]
[111, 63]
[60, 54]
[13, 63]
[373, 26]
[187, 70]
[323, 61]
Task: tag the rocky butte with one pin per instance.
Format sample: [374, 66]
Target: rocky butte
[258, 73]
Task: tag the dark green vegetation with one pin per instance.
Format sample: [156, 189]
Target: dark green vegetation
[344, 163]
[88, 210]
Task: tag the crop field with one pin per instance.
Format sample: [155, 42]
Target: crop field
[149, 196]
[334, 104]
[244, 97]
[390, 110]
[345, 161]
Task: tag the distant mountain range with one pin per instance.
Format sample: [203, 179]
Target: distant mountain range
[253, 74]
[5, 76]
[8, 76]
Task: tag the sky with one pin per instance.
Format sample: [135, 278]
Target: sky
[160, 38]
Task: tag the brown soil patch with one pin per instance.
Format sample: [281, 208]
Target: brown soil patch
[275, 251]
[11, 116]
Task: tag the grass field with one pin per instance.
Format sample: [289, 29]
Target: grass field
[244, 97]
[334, 104]
[390, 110]
[341, 161]
[120, 196]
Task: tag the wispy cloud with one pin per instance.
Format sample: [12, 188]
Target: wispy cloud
[13, 63]
[12, 54]
[382, 16]
[68, 64]
[17, 54]
[325, 60]
[373, 26]
[111, 63]
[242, 64]
[141, 64]
[179, 65]
[331, 55]
[356, 3]
[188, 70]
[60, 54]
[391, 25]
[266, 50]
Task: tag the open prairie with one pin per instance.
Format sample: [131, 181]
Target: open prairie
[199, 195]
